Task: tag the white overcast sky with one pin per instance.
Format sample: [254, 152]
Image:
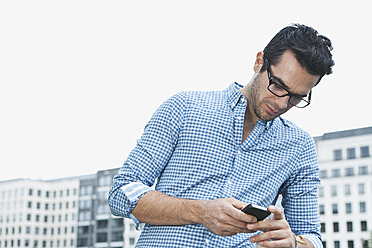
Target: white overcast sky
[80, 79]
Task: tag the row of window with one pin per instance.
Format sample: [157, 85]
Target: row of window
[348, 208]
[36, 230]
[39, 218]
[103, 238]
[349, 226]
[351, 153]
[350, 244]
[52, 205]
[39, 193]
[348, 172]
[347, 190]
[35, 243]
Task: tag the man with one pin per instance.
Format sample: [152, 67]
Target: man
[212, 153]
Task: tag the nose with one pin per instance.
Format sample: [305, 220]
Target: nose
[282, 102]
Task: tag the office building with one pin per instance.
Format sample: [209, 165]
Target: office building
[36, 213]
[345, 195]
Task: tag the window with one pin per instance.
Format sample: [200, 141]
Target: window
[47, 194]
[82, 242]
[363, 226]
[101, 237]
[117, 236]
[30, 192]
[364, 151]
[349, 171]
[39, 193]
[132, 241]
[362, 207]
[349, 226]
[361, 188]
[46, 206]
[363, 170]
[335, 208]
[337, 154]
[348, 208]
[102, 224]
[322, 227]
[347, 189]
[83, 229]
[334, 190]
[29, 204]
[117, 222]
[350, 244]
[104, 180]
[321, 192]
[365, 243]
[336, 172]
[336, 244]
[336, 227]
[323, 174]
[350, 152]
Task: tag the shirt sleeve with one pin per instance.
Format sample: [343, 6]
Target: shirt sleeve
[148, 158]
[300, 195]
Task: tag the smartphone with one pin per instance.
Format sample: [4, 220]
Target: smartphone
[257, 211]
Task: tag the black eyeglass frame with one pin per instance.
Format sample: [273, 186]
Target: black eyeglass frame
[290, 94]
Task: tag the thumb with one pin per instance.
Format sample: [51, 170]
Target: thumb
[277, 212]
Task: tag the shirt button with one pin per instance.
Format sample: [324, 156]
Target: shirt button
[207, 241]
[229, 182]
[239, 152]
[239, 117]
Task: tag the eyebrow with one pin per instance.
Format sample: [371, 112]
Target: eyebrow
[281, 82]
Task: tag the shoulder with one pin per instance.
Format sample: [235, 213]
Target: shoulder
[203, 99]
[286, 129]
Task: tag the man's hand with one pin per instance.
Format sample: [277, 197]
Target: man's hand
[225, 218]
[276, 231]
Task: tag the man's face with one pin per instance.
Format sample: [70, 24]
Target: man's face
[289, 74]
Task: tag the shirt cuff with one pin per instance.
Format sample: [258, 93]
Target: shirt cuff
[313, 239]
[134, 191]
[131, 216]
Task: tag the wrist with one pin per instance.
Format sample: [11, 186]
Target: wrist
[299, 240]
[196, 209]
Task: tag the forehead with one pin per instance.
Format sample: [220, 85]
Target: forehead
[293, 75]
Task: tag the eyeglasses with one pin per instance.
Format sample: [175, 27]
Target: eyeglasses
[278, 90]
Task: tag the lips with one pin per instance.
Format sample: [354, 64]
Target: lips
[271, 111]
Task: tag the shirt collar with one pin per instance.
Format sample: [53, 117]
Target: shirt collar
[233, 97]
[233, 94]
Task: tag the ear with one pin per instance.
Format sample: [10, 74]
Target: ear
[259, 62]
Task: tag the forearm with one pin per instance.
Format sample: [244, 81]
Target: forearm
[157, 208]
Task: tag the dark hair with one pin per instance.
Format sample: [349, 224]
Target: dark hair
[312, 51]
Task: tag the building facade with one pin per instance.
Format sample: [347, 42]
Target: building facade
[345, 195]
[36, 213]
[67, 212]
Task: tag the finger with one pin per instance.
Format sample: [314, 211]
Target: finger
[269, 225]
[277, 243]
[271, 235]
[278, 212]
[237, 214]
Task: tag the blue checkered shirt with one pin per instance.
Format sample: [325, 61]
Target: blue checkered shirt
[192, 148]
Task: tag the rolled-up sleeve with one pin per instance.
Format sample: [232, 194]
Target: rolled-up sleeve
[148, 158]
[300, 195]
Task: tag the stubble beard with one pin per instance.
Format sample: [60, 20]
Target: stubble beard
[254, 94]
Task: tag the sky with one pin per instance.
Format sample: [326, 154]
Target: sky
[80, 79]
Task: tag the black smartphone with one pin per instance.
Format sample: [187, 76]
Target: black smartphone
[257, 211]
